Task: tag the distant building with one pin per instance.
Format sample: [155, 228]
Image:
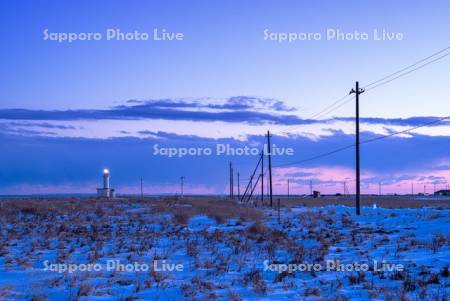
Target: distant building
[316, 194]
[106, 191]
[445, 192]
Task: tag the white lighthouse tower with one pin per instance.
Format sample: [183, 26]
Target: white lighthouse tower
[106, 191]
[105, 178]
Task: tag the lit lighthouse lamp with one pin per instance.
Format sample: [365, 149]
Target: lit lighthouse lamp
[106, 191]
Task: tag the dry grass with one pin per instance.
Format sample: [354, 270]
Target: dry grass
[219, 209]
[383, 201]
[73, 227]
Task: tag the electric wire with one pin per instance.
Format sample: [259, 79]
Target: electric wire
[362, 142]
[341, 101]
[407, 67]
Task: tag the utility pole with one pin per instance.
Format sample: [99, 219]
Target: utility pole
[239, 186]
[310, 188]
[345, 188]
[269, 151]
[279, 215]
[262, 177]
[182, 186]
[357, 91]
[142, 191]
[288, 187]
[412, 188]
[231, 181]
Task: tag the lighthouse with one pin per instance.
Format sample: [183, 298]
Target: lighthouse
[105, 178]
[106, 191]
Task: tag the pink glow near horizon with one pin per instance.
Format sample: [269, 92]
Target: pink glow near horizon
[326, 179]
[330, 180]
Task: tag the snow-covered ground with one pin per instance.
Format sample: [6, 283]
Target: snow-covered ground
[172, 252]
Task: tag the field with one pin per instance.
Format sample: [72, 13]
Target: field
[215, 249]
[384, 201]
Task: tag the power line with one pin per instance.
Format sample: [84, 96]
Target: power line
[408, 72]
[315, 157]
[406, 68]
[362, 142]
[405, 131]
[337, 107]
[345, 99]
[375, 84]
[381, 82]
[317, 115]
[321, 113]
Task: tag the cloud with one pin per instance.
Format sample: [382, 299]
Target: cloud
[236, 116]
[67, 163]
[70, 147]
[235, 109]
[410, 121]
[252, 103]
[233, 103]
[20, 129]
[42, 125]
[215, 121]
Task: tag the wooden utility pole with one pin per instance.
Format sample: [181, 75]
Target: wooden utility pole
[238, 186]
[250, 188]
[269, 152]
[262, 177]
[182, 186]
[288, 187]
[345, 188]
[231, 181]
[310, 188]
[357, 91]
[279, 207]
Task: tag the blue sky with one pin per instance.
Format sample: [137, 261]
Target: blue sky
[223, 82]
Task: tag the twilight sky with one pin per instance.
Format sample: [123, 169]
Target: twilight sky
[67, 110]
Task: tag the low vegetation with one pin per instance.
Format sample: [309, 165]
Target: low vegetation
[222, 246]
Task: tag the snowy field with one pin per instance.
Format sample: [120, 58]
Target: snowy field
[218, 250]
